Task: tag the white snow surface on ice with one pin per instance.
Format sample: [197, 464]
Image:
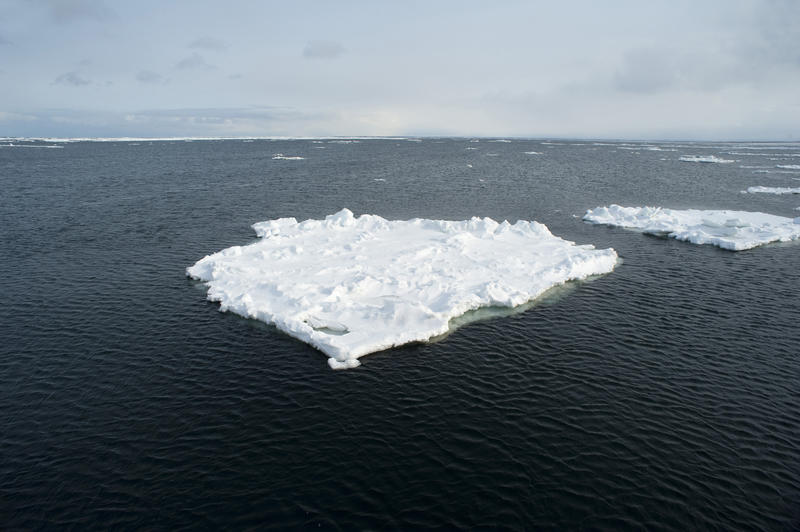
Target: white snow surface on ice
[350, 285]
[704, 159]
[773, 190]
[788, 166]
[733, 230]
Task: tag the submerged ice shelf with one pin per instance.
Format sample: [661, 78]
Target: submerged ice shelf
[350, 285]
[733, 230]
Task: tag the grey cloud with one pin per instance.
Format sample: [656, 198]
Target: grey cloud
[323, 50]
[190, 122]
[71, 78]
[646, 71]
[651, 71]
[215, 115]
[776, 35]
[64, 11]
[148, 76]
[209, 43]
[194, 62]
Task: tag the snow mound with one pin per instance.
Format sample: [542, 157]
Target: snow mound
[704, 159]
[733, 230]
[772, 190]
[350, 285]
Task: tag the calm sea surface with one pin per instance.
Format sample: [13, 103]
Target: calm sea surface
[665, 395]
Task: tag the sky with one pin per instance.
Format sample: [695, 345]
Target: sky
[722, 70]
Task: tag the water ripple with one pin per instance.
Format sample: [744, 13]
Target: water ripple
[662, 396]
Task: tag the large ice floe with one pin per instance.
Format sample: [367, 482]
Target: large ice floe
[733, 230]
[704, 159]
[350, 285]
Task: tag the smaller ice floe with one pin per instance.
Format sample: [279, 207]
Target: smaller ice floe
[471, 148]
[732, 230]
[499, 140]
[788, 166]
[533, 153]
[704, 159]
[645, 147]
[379, 180]
[771, 190]
[351, 285]
[282, 157]
[492, 155]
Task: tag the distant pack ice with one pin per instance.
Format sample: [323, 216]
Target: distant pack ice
[350, 285]
[704, 159]
[733, 230]
[772, 190]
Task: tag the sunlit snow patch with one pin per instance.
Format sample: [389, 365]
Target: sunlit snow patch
[350, 286]
[733, 230]
[772, 190]
[704, 159]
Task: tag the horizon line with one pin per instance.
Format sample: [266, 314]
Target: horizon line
[509, 138]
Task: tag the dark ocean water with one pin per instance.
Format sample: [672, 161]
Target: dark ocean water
[665, 395]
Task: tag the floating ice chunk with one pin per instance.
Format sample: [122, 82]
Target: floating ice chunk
[772, 190]
[350, 285]
[733, 230]
[533, 153]
[282, 157]
[704, 159]
[788, 166]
